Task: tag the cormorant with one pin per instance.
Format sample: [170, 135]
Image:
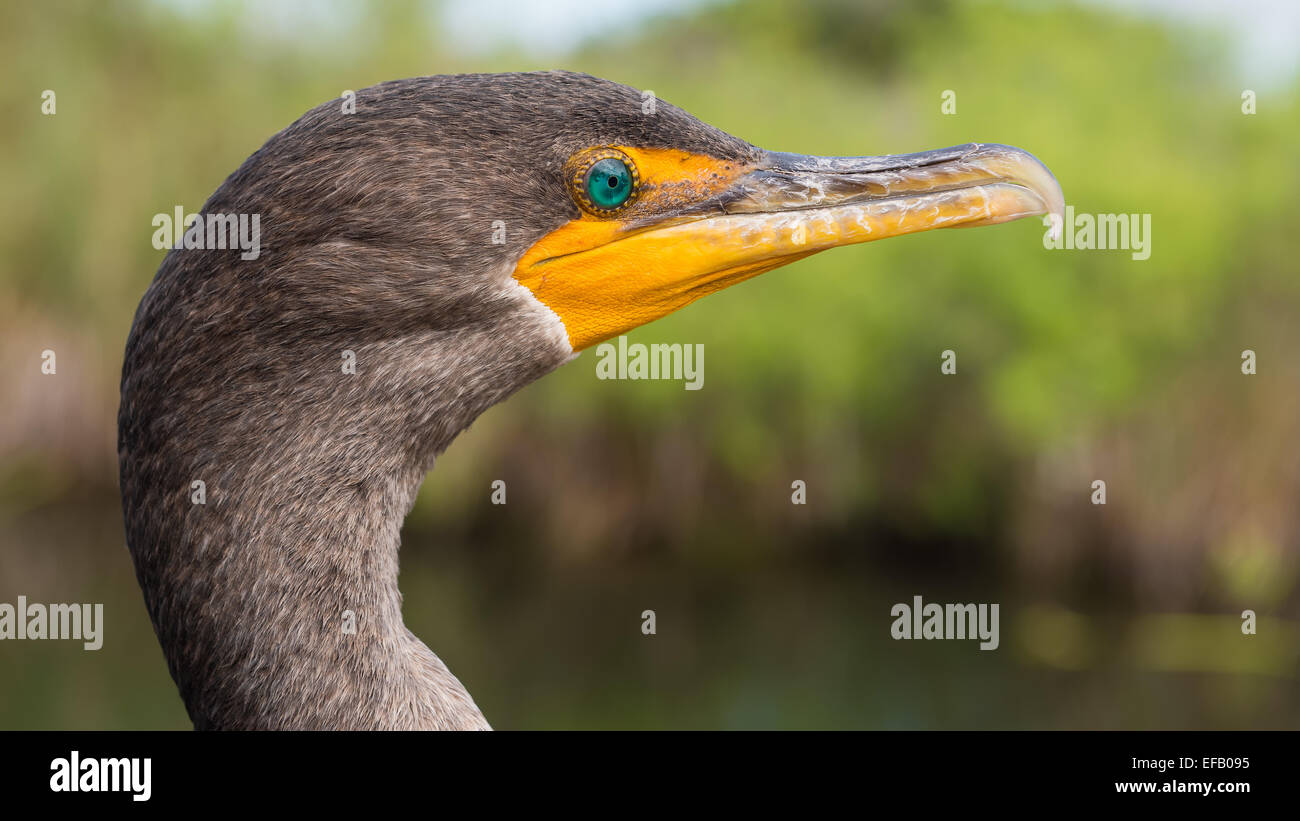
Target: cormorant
[458, 237]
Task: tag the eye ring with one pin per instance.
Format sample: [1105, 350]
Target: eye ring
[604, 180]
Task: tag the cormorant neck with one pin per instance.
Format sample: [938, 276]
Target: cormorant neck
[279, 605]
[275, 595]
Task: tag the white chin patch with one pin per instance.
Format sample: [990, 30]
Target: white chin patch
[547, 320]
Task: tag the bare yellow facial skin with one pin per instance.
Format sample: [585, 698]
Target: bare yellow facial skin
[605, 274]
[599, 285]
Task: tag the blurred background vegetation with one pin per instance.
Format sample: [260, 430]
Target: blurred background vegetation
[1073, 366]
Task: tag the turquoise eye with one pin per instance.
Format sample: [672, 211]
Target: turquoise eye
[609, 183]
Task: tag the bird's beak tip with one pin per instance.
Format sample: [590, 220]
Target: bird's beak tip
[806, 181]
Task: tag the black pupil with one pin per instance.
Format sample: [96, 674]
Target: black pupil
[613, 181]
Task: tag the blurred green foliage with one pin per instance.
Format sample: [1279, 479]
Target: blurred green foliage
[1073, 366]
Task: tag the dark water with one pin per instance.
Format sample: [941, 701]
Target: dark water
[795, 638]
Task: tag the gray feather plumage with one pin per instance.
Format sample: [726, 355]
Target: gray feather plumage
[376, 238]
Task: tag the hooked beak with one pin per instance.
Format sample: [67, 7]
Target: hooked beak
[843, 200]
[603, 282]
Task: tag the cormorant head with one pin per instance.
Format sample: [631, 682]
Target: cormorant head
[463, 235]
